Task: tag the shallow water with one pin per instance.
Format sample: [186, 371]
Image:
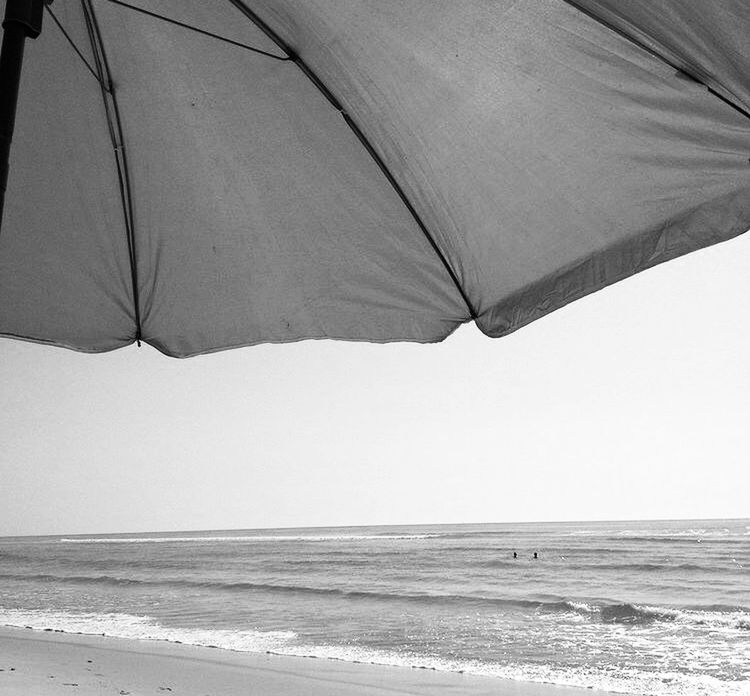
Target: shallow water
[648, 608]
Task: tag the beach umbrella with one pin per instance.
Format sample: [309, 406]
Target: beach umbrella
[206, 174]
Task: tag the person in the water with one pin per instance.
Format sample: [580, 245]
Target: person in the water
[515, 554]
[536, 555]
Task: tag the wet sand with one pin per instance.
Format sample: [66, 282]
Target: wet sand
[38, 663]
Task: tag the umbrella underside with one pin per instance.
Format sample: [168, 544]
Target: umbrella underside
[415, 165]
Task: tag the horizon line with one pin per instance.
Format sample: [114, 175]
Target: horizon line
[363, 526]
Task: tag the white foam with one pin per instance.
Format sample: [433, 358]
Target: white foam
[616, 678]
[145, 628]
[623, 680]
[583, 606]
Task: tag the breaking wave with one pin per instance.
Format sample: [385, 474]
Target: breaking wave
[715, 616]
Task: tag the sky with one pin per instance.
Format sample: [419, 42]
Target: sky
[631, 403]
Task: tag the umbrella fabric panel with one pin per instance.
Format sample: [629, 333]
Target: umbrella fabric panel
[64, 267]
[707, 39]
[549, 155]
[259, 216]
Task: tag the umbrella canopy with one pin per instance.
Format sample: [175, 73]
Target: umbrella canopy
[376, 170]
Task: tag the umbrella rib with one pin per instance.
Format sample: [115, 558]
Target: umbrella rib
[72, 43]
[659, 56]
[310, 74]
[114, 124]
[198, 30]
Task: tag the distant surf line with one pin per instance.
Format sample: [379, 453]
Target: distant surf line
[259, 537]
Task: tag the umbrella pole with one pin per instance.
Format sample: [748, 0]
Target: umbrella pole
[23, 19]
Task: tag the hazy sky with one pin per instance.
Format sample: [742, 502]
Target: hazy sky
[631, 403]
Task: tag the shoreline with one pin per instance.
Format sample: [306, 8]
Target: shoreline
[50, 662]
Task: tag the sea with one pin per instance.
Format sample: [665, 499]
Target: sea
[647, 608]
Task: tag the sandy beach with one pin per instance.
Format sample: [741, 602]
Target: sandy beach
[38, 663]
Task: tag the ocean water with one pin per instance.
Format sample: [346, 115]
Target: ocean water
[647, 608]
